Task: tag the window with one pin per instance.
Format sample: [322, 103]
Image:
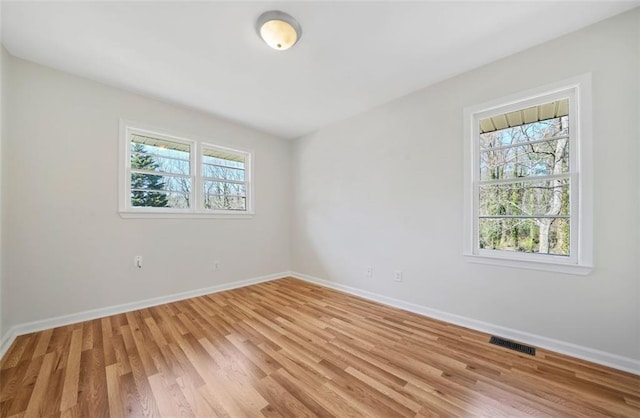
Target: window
[165, 175]
[224, 179]
[527, 180]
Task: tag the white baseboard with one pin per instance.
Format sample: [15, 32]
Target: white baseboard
[59, 321]
[596, 356]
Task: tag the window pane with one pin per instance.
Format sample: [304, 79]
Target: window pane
[146, 181]
[223, 195]
[151, 162]
[224, 189]
[530, 198]
[154, 154]
[150, 190]
[530, 235]
[159, 199]
[222, 173]
[225, 202]
[524, 133]
[538, 159]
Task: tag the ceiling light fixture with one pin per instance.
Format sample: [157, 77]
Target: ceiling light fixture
[279, 30]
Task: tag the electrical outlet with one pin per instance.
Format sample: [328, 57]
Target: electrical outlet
[216, 265]
[137, 261]
[368, 272]
[398, 276]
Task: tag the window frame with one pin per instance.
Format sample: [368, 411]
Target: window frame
[196, 147]
[579, 261]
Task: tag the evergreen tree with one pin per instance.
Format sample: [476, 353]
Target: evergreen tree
[143, 161]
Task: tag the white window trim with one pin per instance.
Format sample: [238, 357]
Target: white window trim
[197, 210]
[581, 260]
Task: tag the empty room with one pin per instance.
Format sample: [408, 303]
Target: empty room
[319, 208]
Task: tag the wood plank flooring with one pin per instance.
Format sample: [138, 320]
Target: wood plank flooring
[287, 348]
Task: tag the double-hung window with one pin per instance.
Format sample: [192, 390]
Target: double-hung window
[528, 179]
[166, 175]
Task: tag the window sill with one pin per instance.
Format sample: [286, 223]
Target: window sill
[184, 215]
[576, 269]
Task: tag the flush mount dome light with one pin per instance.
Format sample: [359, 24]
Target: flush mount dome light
[279, 30]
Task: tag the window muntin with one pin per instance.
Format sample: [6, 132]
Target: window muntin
[167, 174]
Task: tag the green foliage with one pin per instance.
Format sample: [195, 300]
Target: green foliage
[142, 185]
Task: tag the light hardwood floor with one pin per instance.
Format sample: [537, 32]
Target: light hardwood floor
[293, 349]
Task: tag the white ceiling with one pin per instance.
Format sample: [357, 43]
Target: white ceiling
[352, 55]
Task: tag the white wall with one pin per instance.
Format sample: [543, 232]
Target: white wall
[66, 248]
[385, 189]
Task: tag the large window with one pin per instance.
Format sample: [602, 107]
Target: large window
[526, 181]
[168, 175]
